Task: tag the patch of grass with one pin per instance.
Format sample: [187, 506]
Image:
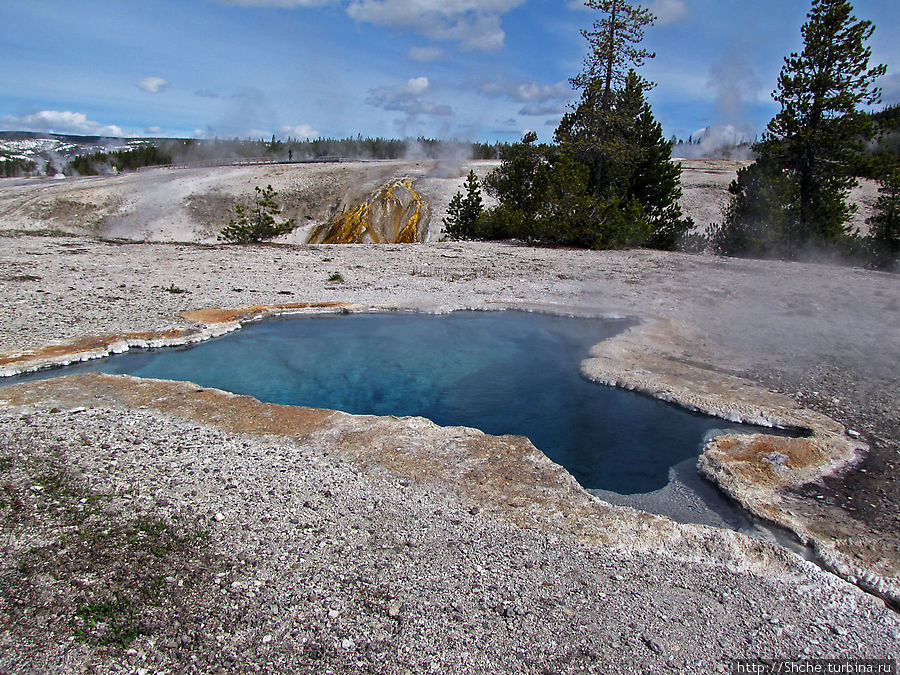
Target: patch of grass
[107, 622]
[172, 288]
[54, 482]
[154, 535]
[79, 534]
[44, 232]
[22, 277]
[336, 278]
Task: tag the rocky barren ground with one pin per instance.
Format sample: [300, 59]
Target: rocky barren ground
[194, 204]
[158, 527]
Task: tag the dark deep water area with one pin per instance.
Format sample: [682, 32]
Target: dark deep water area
[502, 372]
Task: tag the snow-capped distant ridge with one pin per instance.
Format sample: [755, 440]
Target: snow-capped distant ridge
[39, 146]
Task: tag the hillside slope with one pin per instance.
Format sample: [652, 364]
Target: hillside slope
[193, 204]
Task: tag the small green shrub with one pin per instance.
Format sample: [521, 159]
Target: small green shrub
[463, 212]
[256, 223]
[22, 277]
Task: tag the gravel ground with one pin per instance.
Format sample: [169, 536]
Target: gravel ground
[280, 557]
[143, 539]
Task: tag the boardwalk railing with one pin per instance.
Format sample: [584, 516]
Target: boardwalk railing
[240, 161]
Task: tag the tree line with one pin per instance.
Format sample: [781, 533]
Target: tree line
[383, 148]
[120, 160]
[15, 167]
[185, 151]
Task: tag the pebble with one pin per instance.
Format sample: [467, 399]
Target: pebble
[653, 645]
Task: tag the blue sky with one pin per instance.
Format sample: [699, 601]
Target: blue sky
[471, 69]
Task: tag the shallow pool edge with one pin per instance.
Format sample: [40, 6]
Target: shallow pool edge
[758, 471]
[503, 475]
[754, 470]
[210, 323]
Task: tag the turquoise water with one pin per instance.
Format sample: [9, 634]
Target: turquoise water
[501, 372]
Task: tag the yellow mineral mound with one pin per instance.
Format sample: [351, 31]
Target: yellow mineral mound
[390, 215]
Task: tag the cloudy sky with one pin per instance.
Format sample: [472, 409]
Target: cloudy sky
[471, 69]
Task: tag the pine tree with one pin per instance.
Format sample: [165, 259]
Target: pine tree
[884, 224]
[609, 181]
[822, 128]
[567, 212]
[629, 160]
[463, 212]
[472, 204]
[519, 185]
[614, 50]
[612, 130]
[256, 223]
[813, 145]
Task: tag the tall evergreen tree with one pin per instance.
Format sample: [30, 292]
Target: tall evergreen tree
[612, 130]
[614, 48]
[813, 145]
[628, 158]
[609, 181]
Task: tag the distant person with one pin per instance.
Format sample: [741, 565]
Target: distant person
[290, 155]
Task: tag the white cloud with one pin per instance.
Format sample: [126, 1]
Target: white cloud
[668, 11]
[537, 109]
[539, 99]
[155, 131]
[406, 98]
[153, 85]
[301, 132]
[425, 54]
[527, 91]
[475, 24]
[60, 122]
[415, 85]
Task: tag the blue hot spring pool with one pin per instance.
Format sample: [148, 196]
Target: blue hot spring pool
[501, 372]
